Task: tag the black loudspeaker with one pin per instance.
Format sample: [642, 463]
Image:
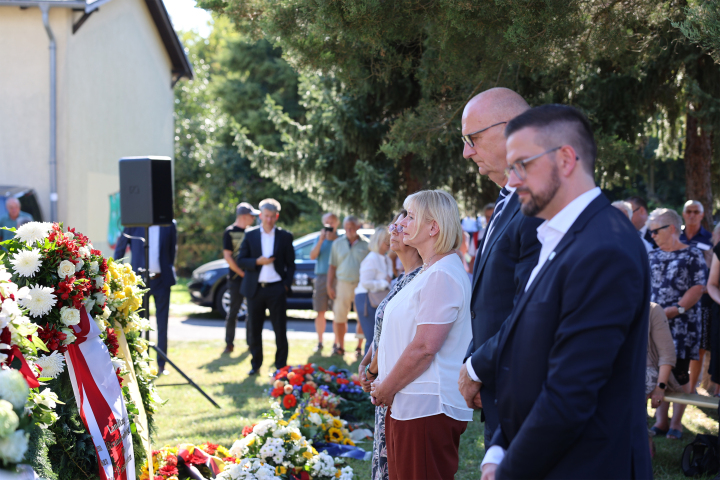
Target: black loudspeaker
[146, 191]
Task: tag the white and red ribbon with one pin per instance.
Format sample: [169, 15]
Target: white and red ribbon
[100, 400]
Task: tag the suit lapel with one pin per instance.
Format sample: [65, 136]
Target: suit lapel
[595, 206]
[275, 241]
[506, 216]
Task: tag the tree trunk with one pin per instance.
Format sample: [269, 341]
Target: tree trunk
[698, 159]
[412, 184]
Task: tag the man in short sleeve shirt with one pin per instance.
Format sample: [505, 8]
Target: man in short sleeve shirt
[232, 238]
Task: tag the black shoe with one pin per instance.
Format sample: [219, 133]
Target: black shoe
[253, 371]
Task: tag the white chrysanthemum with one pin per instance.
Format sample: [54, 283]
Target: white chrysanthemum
[10, 308]
[39, 301]
[27, 263]
[9, 420]
[13, 388]
[84, 252]
[4, 274]
[346, 473]
[52, 365]
[14, 446]
[69, 316]
[66, 269]
[32, 232]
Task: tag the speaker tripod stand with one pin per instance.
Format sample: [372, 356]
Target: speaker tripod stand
[145, 272]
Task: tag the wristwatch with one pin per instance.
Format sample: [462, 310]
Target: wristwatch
[662, 386]
[681, 310]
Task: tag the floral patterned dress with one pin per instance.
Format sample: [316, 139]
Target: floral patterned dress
[379, 456]
[671, 275]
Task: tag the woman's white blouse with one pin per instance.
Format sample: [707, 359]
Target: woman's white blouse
[440, 295]
[374, 272]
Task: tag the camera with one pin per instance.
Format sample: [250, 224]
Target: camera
[328, 228]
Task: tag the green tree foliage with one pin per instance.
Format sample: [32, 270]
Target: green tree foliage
[233, 78]
[624, 63]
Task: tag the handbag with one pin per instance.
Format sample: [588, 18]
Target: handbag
[701, 456]
[376, 297]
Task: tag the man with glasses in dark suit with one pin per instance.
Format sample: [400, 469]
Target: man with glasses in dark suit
[509, 247]
[639, 220]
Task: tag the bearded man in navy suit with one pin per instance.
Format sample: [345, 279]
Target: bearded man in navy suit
[162, 248]
[570, 361]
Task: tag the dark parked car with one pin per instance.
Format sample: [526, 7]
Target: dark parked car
[208, 285]
[28, 201]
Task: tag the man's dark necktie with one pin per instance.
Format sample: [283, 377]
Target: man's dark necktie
[499, 205]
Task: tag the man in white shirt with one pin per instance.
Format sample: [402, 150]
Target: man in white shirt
[268, 259]
[570, 361]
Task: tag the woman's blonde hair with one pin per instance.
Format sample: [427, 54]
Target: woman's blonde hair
[380, 237]
[441, 207]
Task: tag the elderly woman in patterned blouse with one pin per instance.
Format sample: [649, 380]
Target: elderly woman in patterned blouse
[412, 263]
[677, 278]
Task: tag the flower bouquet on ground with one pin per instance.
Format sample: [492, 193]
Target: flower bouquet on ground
[355, 403]
[272, 449]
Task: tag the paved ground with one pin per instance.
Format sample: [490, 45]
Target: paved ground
[193, 323]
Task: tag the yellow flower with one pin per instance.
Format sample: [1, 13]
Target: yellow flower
[282, 423]
[295, 436]
[308, 455]
[250, 442]
[337, 474]
[337, 423]
[224, 452]
[335, 435]
[280, 470]
[347, 441]
[315, 452]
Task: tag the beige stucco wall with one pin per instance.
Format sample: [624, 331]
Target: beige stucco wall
[114, 100]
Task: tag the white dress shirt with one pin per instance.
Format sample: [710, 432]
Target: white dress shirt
[374, 272]
[267, 272]
[550, 233]
[154, 249]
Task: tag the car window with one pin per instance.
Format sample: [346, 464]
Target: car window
[303, 251]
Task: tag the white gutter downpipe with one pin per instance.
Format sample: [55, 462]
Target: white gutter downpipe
[45, 9]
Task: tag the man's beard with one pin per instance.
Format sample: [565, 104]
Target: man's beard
[538, 201]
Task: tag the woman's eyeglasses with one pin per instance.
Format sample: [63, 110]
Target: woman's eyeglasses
[395, 228]
[657, 230]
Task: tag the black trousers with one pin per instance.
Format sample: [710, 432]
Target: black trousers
[236, 299]
[274, 298]
[162, 313]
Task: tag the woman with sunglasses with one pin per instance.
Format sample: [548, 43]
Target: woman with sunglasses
[677, 276]
[411, 262]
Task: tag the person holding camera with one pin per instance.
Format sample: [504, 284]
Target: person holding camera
[321, 254]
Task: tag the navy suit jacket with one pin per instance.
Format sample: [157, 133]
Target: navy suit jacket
[168, 248]
[500, 275]
[570, 365]
[251, 250]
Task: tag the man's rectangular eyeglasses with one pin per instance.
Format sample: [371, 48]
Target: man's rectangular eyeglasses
[468, 138]
[395, 228]
[657, 230]
[519, 166]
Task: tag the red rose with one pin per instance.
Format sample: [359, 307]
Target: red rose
[307, 388]
[289, 401]
[277, 392]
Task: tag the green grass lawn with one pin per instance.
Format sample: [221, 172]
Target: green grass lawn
[189, 417]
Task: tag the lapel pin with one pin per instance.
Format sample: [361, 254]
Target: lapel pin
[552, 255]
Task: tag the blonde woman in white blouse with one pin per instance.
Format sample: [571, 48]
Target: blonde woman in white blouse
[375, 276]
[425, 331]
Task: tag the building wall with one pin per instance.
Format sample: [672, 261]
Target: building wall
[114, 100]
